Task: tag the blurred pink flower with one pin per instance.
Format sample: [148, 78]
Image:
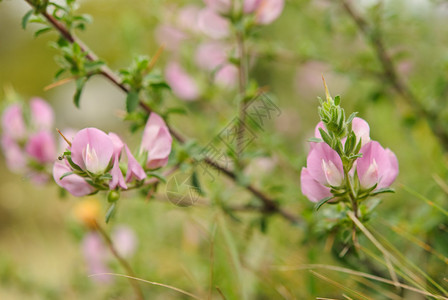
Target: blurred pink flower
[213, 24]
[170, 36]
[95, 254]
[220, 6]
[267, 11]
[15, 156]
[188, 17]
[125, 240]
[182, 84]
[41, 147]
[249, 6]
[118, 144]
[311, 188]
[42, 116]
[324, 165]
[156, 141]
[376, 166]
[13, 123]
[92, 150]
[211, 55]
[227, 76]
[75, 184]
[135, 170]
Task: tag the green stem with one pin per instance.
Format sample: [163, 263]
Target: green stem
[351, 192]
[122, 261]
[242, 72]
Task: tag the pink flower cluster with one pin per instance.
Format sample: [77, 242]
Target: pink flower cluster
[96, 160]
[27, 140]
[211, 27]
[97, 255]
[376, 169]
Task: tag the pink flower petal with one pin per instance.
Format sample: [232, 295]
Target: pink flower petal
[268, 11]
[42, 115]
[125, 240]
[227, 76]
[219, 6]
[135, 170]
[76, 185]
[213, 24]
[13, 123]
[156, 142]
[325, 165]
[312, 189]
[181, 83]
[42, 147]
[117, 176]
[92, 150]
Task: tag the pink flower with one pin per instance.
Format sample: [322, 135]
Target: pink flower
[118, 144]
[92, 150]
[117, 176]
[95, 254]
[212, 24]
[376, 166]
[42, 116]
[266, 11]
[170, 36]
[182, 84]
[125, 240]
[311, 188]
[249, 6]
[15, 156]
[188, 16]
[73, 183]
[13, 123]
[219, 6]
[135, 170]
[325, 166]
[211, 55]
[227, 76]
[42, 147]
[156, 141]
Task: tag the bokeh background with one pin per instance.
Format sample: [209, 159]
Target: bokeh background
[40, 237]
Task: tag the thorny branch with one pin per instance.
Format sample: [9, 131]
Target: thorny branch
[392, 77]
[269, 204]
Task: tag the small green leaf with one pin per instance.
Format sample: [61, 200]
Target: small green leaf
[337, 100]
[132, 100]
[80, 82]
[315, 140]
[176, 110]
[65, 175]
[110, 212]
[327, 139]
[26, 18]
[322, 202]
[196, 184]
[42, 31]
[158, 176]
[352, 116]
[383, 190]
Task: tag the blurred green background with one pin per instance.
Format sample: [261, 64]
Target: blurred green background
[40, 256]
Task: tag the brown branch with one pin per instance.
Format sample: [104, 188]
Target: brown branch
[392, 77]
[270, 205]
[121, 260]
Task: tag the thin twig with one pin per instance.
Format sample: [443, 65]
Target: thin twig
[391, 75]
[270, 204]
[121, 260]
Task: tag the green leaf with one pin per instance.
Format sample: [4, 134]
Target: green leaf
[315, 140]
[132, 100]
[80, 82]
[196, 184]
[176, 110]
[383, 190]
[337, 100]
[110, 212]
[65, 175]
[322, 202]
[26, 18]
[42, 31]
[352, 116]
[158, 176]
[327, 139]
